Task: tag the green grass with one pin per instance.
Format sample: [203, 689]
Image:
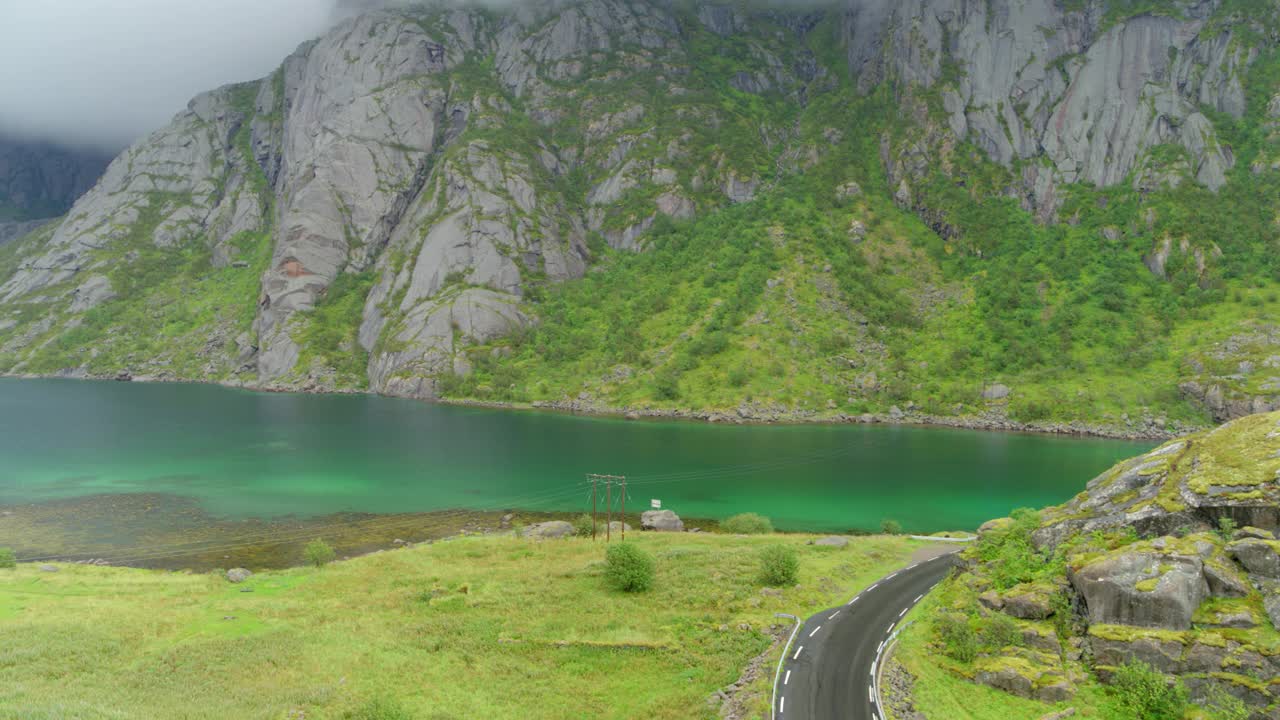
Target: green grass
[473, 627]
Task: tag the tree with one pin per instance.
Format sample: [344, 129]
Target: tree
[890, 527]
[318, 553]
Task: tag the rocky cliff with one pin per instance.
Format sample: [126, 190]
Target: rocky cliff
[1168, 559]
[391, 207]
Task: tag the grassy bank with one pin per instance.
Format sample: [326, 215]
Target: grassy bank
[492, 627]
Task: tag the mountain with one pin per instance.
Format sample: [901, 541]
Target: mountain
[40, 180]
[999, 213]
[1168, 559]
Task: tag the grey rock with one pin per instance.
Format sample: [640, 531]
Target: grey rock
[1110, 587]
[996, 392]
[661, 521]
[550, 530]
[832, 541]
[49, 568]
[238, 575]
[1258, 557]
[1225, 581]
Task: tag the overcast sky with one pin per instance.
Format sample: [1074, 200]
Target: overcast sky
[105, 72]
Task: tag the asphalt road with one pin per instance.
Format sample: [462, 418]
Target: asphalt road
[829, 670]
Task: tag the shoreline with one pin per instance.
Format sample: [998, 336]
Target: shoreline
[743, 415]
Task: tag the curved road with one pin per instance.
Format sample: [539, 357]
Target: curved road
[829, 669]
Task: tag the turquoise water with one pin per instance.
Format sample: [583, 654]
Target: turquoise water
[243, 454]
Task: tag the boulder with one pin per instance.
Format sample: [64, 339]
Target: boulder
[550, 530]
[1142, 589]
[238, 575]
[49, 568]
[832, 541]
[661, 521]
[616, 527]
[1029, 602]
[1257, 556]
[505, 522]
[1225, 581]
[1270, 590]
[1254, 533]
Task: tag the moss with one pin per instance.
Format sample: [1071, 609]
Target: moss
[1148, 585]
[1125, 633]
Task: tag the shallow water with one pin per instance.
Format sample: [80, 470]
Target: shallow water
[240, 454]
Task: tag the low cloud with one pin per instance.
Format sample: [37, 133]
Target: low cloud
[102, 73]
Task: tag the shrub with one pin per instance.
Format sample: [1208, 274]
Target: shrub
[999, 631]
[779, 566]
[890, 527]
[628, 568]
[584, 526]
[1226, 526]
[958, 639]
[1224, 706]
[747, 524]
[379, 709]
[1147, 694]
[318, 553]
[7, 559]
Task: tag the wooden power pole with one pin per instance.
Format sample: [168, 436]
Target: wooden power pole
[609, 481]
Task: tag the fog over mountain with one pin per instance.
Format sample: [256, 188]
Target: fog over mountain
[102, 73]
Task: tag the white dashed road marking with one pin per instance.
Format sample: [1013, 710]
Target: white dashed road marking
[917, 599]
[793, 657]
[815, 631]
[904, 611]
[833, 615]
[782, 703]
[787, 679]
[871, 694]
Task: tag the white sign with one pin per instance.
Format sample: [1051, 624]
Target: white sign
[655, 504]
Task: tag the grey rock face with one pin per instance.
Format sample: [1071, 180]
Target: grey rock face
[1143, 589]
[996, 392]
[41, 179]
[1038, 81]
[661, 521]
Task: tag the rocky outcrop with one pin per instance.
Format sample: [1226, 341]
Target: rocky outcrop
[550, 530]
[661, 521]
[1141, 589]
[1036, 80]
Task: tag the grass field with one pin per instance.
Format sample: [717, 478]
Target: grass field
[477, 627]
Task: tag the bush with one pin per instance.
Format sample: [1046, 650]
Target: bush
[1226, 526]
[1147, 694]
[7, 559]
[779, 566]
[890, 527]
[958, 639]
[318, 553]
[584, 526]
[628, 568]
[379, 709]
[999, 631]
[747, 524]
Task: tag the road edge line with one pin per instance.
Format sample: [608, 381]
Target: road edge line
[883, 660]
[773, 702]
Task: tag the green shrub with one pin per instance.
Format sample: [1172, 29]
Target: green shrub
[379, 709]
[1226, 526]
[1010, 556]
[1147, 694]
[1221, 705]
[628, 568]
[958, 639]
[747, 524]
[318, 553]
[890, 527]
[779, 566]
[7, 559]
[584, 526]
[999, 631]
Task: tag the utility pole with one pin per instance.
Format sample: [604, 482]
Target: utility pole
[609, 481]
